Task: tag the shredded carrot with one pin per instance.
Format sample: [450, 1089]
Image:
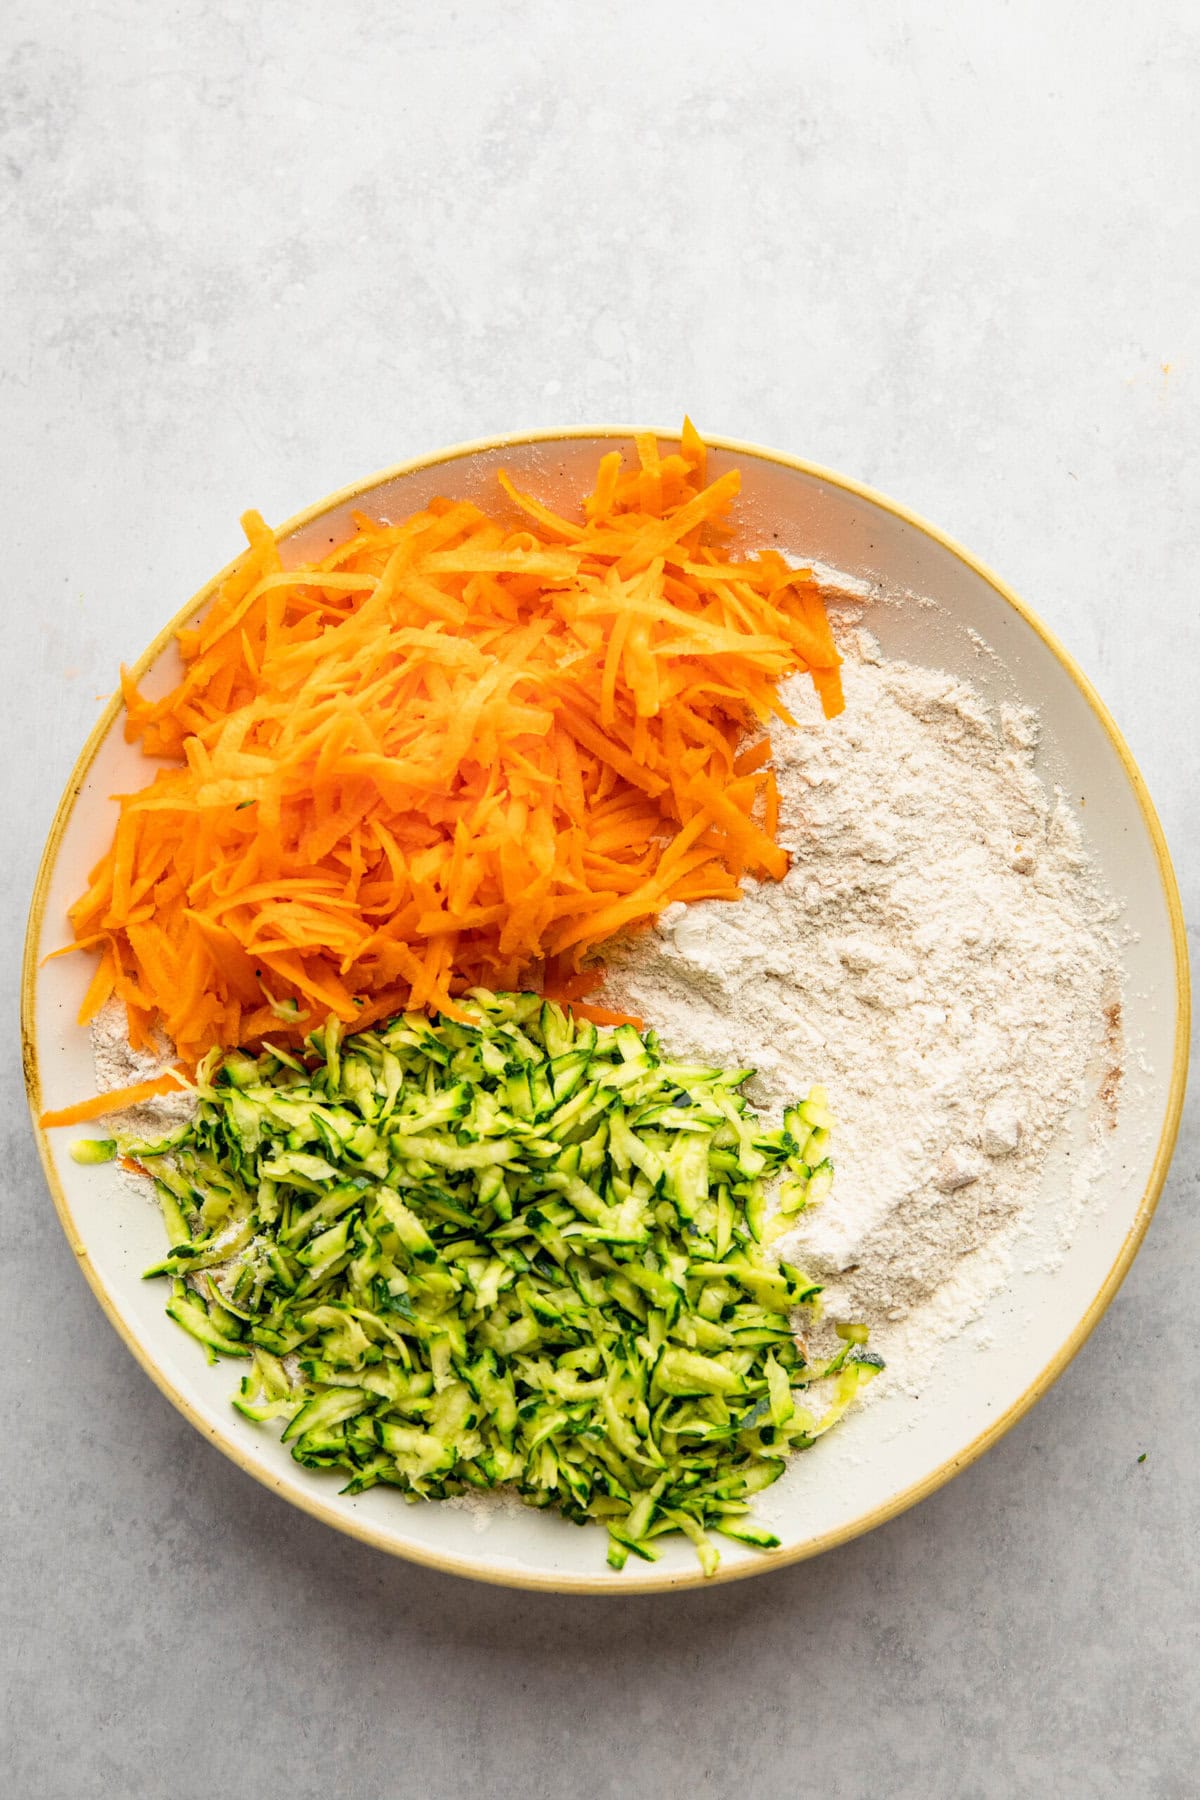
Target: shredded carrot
[605, 1015]
[462, 750]
[114, 1101]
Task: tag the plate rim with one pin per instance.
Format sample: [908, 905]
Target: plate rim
[635, 1582]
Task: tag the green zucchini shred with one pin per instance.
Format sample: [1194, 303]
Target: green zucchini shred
[93, 1150]
[514, 1251]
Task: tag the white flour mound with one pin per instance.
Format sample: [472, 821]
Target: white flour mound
[940, 956]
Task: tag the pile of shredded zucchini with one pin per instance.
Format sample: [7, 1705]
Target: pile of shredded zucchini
[518, 1251]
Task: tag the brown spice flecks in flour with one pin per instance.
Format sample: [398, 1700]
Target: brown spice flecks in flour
[1114, 1054]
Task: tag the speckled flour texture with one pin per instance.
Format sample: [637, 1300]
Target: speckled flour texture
[941, 958]
[118, 1065]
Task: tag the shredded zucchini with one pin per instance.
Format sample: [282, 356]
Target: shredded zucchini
[517, 1251]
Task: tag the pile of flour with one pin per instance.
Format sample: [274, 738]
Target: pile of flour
[940, 957]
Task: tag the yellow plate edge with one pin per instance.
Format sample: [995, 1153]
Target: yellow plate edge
[636, 1583]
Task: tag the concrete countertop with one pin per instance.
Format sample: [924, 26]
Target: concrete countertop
[252, 253]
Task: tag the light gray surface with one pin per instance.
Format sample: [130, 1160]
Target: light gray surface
[252, 253]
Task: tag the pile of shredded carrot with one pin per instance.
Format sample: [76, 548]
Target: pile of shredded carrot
[460, 750]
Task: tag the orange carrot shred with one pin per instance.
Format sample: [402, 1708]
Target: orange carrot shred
[450, 754]
[114, 1101]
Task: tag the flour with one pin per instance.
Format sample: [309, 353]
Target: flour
[118, 1064]
[940, 956]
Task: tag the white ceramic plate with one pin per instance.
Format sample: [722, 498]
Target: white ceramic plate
[898, 1449]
